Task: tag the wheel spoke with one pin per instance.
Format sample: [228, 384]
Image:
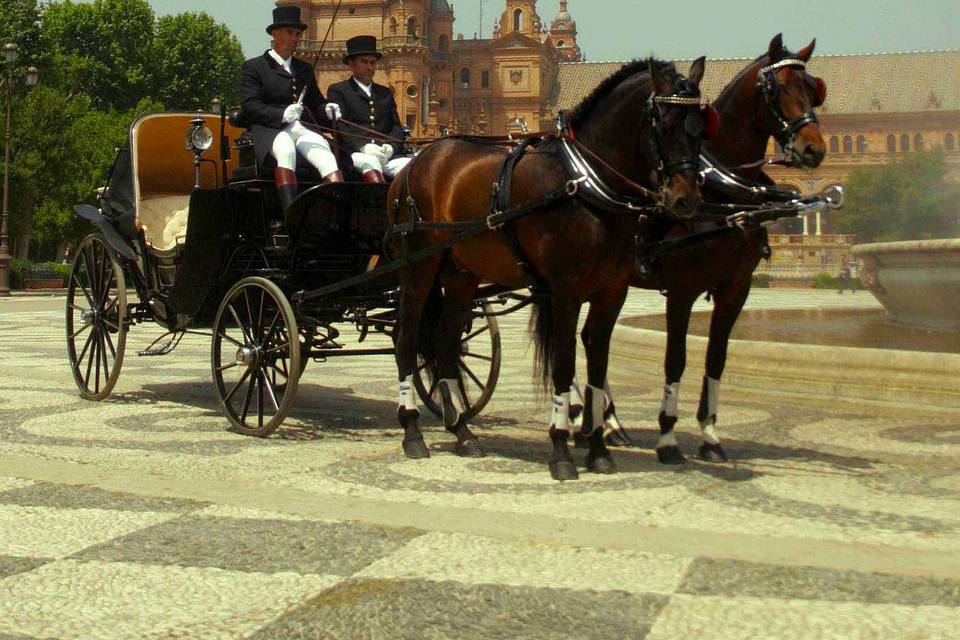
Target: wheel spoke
[473, 335]
[76, 333]
[473, 376]
[259, 402]
[103, 354]
[253, 328]
[89, 358]
[273, 325]
[243, 378]
[279, 347]
[113, 350]
[476, 355]
[246, 400]
[229, 339]
[228, 366]
[240, 325]
[86, 295]
[97, 350]
[266, 382]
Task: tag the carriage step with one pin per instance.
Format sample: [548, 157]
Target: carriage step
[153, 350]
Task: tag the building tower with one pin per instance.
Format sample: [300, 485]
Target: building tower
[563, 35]
[520, 16]
[440, 98]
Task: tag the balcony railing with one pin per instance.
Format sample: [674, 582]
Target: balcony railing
[391, 42]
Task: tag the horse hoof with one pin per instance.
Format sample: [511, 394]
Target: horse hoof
[670, 455]
[563, 470]
[469, 449]
[581, 441]
[618, 438]
[712, 453]
[601, 464]
[416, 449]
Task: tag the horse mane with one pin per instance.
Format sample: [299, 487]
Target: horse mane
[580, 112]
[727, 92]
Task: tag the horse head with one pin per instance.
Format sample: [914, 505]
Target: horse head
[680, 121]
[787, 95]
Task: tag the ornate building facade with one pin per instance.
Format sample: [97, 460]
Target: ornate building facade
[879, 106]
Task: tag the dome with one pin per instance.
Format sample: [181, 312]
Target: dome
[563, 18]
[442, 5]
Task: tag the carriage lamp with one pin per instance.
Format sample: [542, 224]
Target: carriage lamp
[199, 139]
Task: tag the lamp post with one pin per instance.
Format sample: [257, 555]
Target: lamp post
[33, 75]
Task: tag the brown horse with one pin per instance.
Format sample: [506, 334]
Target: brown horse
[773, 96]
[647, 121]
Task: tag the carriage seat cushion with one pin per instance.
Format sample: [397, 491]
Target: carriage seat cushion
[164, 219]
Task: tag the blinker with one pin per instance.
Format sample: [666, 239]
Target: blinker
[821, 92]
[711, 120]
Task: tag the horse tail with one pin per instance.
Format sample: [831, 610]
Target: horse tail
[544, 341]
[429, 323]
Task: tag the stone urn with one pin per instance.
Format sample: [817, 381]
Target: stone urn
[917, 281]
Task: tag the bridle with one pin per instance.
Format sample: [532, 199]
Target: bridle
[689, 96]
[768, 86]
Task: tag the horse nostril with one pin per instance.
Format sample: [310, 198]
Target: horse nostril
[813, 156]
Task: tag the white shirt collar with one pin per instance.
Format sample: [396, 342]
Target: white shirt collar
[367, 88]
[286, 64]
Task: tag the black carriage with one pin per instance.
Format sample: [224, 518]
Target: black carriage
[191, 237]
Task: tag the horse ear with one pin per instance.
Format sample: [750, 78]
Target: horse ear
[660, 85]
[805, 53]
[696, 70]
[775, 51]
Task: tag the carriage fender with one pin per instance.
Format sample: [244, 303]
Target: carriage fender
[113, 239]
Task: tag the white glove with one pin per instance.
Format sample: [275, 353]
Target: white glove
[333, 111]
[374, 150]
[386, 151]
[292, 113]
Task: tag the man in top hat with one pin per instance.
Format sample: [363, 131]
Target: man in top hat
[270, 92]
[370, 105]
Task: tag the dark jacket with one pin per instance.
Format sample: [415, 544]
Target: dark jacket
[266, 89]
[377, 111]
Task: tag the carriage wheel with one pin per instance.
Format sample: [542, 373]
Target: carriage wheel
[255, 357]
[96, 319]
[479, 367]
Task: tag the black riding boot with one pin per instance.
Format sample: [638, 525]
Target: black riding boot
[286, 181]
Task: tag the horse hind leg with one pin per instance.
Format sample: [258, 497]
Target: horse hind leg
[457, 307]
[710, 449]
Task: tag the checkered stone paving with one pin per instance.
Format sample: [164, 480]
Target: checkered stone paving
[142, 517]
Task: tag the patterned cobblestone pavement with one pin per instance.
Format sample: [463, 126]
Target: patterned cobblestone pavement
[141, 517]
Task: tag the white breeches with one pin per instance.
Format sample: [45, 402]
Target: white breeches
[311, 145]
[365, 162]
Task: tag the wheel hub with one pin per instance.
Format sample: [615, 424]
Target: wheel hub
[89, 316]
[248, 356]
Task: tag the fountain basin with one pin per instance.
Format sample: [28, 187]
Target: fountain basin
[917, 282]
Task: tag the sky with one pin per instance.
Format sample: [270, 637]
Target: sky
[677, 29]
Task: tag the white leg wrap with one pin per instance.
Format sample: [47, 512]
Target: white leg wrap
[365, 162]
[408, 397]
[667, 440]
[596, 402]
[560, 412]
[606, 390]
[708, 426]
[575, 392]
[671, 398]
[453, 387]
[395, 166]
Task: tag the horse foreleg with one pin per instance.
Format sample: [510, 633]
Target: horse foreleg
[613, 432]
[604, 310]
[415, 286]
[562, 353]
[459, 291]
[675, 361]
[727, 306]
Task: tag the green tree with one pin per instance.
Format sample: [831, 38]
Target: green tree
[909, 199]
[195, 60]
[101, 49]
[20, 24]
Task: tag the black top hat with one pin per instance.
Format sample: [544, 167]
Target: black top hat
[361, 46]
[286, 17]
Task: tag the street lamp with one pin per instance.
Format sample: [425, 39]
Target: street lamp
[33, 76]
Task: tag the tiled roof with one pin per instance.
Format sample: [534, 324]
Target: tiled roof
[862, 83]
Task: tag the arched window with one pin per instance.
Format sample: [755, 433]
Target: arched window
[861, 144]
[465, 78]
[443, 44]
[834, 144]
[918, 142]
[904, 142]
[891, 143]
[394, 25]
[948, 142]
[561, 44]
[411, 26]
[518, 20]
[847, 144]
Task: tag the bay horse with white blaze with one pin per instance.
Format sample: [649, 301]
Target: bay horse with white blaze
[569, 247]
[773, 96]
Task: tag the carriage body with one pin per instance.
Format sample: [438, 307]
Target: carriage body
[185, 237]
